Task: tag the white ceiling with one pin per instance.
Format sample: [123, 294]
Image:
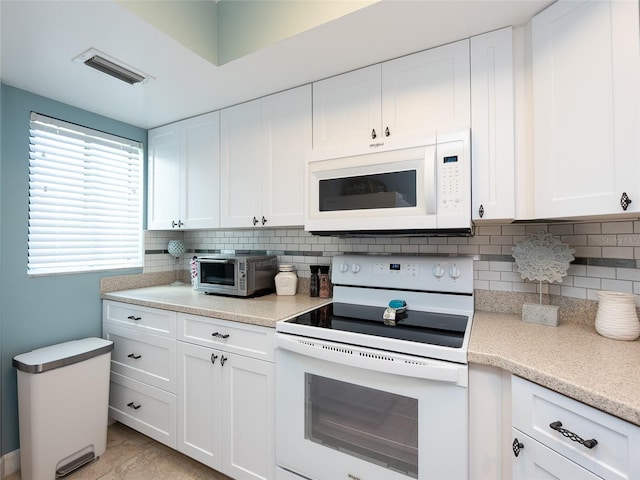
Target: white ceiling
[40, 39]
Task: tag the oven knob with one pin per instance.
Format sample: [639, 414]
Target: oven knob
[355, 268]
[454, 271]
[438, 271]
[344, 268]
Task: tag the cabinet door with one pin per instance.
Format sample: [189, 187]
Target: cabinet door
[586, 72]
[241, 156]
[286, 121]
[492, 130]
[200, 172]
[249, 418]
[425, 92]
[199, 404]
[537, 462]
[163, 188]
[346, 110]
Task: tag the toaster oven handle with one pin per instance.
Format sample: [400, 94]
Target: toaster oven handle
[214, 260]
[430, 185]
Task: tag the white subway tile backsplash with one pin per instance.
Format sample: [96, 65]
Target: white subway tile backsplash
[607, 254]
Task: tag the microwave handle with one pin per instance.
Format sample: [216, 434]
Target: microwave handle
[430, 185]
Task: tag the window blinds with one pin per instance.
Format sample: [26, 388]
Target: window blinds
[85, 199]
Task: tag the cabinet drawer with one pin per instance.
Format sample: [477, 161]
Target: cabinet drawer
[155, 414]
[152, 320]
[249, 340]
[148, 358]
[537, 461]
[615, 456]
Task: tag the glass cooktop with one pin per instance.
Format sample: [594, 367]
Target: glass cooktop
[442, 329]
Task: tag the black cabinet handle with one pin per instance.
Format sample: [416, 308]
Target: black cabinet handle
[223, 359]
[255, 221]
[213, 358]
[516, 446]
[481, 211]
[264, 220]
[133, 405]
[624, 201]
[133, 317]
[373, 133]
[220, 335]
[387, 132]
[134, 356]
[557, 426]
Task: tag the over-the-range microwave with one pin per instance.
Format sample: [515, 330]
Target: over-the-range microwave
[421, 189]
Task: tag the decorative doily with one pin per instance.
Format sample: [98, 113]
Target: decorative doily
[542, 257]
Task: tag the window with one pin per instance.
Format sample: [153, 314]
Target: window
[85, 199]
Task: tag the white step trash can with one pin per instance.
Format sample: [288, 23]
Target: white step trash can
[63, 404]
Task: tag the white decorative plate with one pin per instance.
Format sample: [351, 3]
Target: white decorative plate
[542, 257]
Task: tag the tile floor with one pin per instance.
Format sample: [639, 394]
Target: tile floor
[133, 456]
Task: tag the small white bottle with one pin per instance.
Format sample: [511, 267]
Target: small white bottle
[286, 281]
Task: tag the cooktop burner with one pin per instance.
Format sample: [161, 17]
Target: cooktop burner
[442, 329]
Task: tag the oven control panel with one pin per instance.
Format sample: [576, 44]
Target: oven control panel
[421, 273]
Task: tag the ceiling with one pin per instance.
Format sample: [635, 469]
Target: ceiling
[39, 39]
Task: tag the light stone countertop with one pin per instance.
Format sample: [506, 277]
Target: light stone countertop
[572, 359]
[264, 311]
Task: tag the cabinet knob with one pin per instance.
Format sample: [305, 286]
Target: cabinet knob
[255, 221]
[223, 359]
[387, 133]
[481, 211]
[373, 134]
[263, 221]
[516, 446]
[557, 426]
[624, 201]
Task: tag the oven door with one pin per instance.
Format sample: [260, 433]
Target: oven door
[347, 412]
[218, 275]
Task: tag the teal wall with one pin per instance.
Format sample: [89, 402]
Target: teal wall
[36, 312]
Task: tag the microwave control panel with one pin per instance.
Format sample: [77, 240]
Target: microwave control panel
[451, 175]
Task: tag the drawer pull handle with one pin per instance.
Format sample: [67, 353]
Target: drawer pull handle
[133, 317]
[133, 405]
[223, 359]
[220, 335]
[213, 358]
[557, 426]
[134, 356]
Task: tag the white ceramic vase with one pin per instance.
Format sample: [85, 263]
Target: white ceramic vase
[617, 317]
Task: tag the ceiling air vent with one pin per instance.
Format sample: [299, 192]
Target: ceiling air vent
[105, 64]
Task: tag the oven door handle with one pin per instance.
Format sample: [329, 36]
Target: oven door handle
[379, 361]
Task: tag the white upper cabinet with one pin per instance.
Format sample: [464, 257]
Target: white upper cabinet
[184, 171]
[492, 125]
[389, 103]
[586, 103]
[263, 147]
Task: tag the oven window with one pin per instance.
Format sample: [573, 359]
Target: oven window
[217, 273]
[376, 426]
[381, 190]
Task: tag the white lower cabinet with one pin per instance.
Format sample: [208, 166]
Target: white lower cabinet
[558, 437]
[203, 386]
[226, 411]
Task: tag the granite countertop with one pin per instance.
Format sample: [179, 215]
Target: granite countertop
[572, 359]
[264, 311]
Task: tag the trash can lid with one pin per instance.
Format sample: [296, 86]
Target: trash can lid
[61, 355]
